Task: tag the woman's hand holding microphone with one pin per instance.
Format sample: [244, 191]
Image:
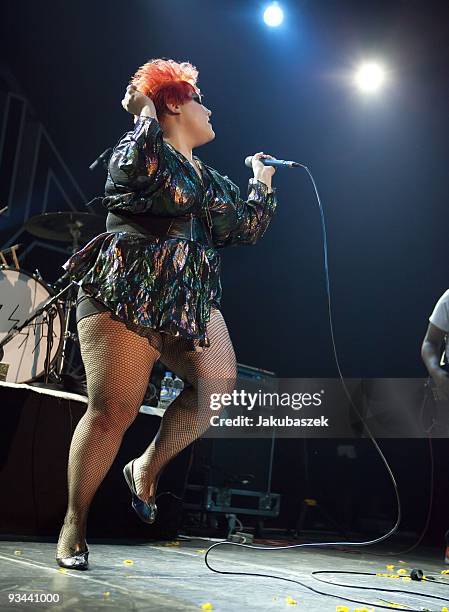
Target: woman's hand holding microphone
[263, 173]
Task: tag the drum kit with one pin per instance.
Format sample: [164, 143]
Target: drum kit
[35, 316]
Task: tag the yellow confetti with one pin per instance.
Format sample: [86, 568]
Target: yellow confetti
[445, 572]
[290, 601]
[342, 609]
[390, 567]
[201, 550]
[106, 594]
[401, 572]
[388, 575]
[444, 609]
[406, 579]
[207, 606]
[363, 610]
[128, 562]
[62, 570]
[17, 552]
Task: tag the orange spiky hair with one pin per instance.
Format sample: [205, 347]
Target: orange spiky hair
[166, 81]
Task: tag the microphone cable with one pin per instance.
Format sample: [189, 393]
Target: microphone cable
[371, 437]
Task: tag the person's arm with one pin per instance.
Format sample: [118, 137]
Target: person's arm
[431, 355]
[136, 168]
[253, 215]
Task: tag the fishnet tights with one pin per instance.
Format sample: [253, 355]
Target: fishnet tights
[118, 364]
[186, 419]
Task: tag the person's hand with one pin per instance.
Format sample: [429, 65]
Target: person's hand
[137, 103]
[266, 172]
[441, 378]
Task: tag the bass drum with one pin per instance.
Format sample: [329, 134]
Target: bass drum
[21, 294]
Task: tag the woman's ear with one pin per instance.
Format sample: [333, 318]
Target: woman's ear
[174, 109]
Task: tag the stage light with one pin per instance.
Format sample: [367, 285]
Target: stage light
[273, 15]
[369, 77]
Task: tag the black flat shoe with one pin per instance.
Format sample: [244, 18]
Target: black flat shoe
[146, 511]
[80, 561]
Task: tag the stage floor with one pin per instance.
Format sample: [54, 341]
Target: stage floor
[173, 576]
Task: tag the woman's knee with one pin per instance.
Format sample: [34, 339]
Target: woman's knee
[223, 382]
[112, 414]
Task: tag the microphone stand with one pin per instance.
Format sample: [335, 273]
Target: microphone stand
[70, 301]
[102, 159]
[49, 307]
[46, 307]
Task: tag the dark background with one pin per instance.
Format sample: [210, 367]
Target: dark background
[380, 162]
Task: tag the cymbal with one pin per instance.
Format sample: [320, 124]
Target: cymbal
[61, 226]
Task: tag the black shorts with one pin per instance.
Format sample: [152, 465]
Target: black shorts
[86, 305]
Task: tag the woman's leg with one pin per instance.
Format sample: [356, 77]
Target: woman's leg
[118, 363]
[184, 420]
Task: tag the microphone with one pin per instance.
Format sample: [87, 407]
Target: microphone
[272, 162]
[103, 158]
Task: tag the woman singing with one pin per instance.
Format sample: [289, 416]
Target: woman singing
[150, 288]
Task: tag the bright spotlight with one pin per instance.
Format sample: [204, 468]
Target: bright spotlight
[273, 15]
[369, 77]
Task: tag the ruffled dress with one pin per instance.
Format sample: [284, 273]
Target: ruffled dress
[156, 282]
